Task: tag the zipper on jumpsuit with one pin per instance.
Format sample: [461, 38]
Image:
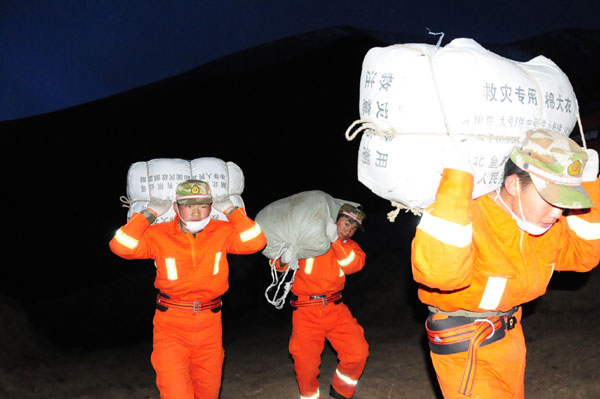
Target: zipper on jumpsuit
[523, 257]
[192, 239]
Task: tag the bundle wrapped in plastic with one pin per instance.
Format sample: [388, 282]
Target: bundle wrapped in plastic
[415, 98]
[296, 228]
[159, 177]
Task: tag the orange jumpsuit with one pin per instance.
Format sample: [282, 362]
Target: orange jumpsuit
[470, 254]
[187, 345]
[325, 275]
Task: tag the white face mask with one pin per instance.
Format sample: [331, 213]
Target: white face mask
[523, 224]
[194, 226]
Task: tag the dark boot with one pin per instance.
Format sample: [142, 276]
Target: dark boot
[333, 393]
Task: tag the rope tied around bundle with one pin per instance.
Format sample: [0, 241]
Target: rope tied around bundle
[125, 201]
[391, 216]
[282, 287]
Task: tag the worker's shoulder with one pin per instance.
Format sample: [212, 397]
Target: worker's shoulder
[220, 222]
[350, 242]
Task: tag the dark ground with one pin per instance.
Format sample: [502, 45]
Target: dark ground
[71, 348]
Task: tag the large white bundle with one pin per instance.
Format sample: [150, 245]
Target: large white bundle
[159, 177]
[298, 223]
[413, 96]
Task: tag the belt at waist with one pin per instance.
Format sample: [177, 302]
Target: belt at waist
[477, 315]
[307, 300]
[163, 302]
[454, 333]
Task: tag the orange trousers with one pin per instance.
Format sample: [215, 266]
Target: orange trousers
[311, 325]
[499, 369]
[188, 353]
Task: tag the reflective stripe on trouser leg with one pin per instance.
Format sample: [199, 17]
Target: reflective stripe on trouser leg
[317, 395]
[348, 339]
[306, 345]
[188, 354]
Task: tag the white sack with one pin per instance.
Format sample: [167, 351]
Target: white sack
[159, 177]
[299, 222]
[418, 94]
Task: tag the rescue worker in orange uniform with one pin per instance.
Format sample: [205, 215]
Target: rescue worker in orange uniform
[476, 261]
[319, 313]
[190, 254]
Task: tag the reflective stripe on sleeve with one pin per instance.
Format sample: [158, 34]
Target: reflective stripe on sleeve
[125, 240]
[315, 396]
[492, 295]
[251, 233]
[347, 260]
[345, 378]
[217, 262]
[171, 266]
[583, 228]
[309, 265]
[447, 232]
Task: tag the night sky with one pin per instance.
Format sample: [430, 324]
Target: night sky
[62, 53]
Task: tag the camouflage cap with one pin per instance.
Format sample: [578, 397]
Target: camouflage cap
[354, 214]
[193, 192]
[555, 164]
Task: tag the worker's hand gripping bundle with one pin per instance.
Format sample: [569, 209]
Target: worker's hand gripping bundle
[296, 228]
[159, 177]
[415, 98]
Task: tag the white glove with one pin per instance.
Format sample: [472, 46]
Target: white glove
[223, 205]
[159, 206]
[590, 170]
[455, 156]
[331, 230]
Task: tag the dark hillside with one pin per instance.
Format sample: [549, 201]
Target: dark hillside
[279, 111]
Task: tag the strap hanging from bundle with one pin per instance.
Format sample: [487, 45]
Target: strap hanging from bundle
[281, 283]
